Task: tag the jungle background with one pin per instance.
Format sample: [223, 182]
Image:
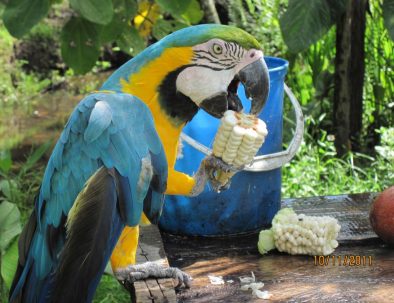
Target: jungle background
[341, 69]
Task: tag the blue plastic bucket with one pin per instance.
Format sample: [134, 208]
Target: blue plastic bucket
[253, 197]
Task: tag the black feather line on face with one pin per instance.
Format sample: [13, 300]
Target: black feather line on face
[176, 105]
[226, 46]
[218, 62]
[93, 228]
[215, 68]
[238, 50]
[203, 52]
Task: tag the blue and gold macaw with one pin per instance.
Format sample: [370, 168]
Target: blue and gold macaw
[115, 159]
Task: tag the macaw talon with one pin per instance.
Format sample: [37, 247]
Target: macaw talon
[207, 172]
[147, 270]
[218, 186]
[214, 164]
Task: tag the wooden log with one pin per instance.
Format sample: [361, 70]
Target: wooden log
[360, 270]
[150, 249]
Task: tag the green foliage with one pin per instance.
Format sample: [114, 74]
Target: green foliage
[13, 188]
[10, 228]
[193, 13]
[80, 44]
[379, 74]
[130, 41]
[9, 263]
[5, 161]
[388, 15]
[175, 8]
[386, 148]
[10, 225]
[311, 71]
[110, 291]
[21, 15]
[16, 196]
[112, 31]
[18, 89]
[304, 23]
[259, 18]
[316, 170]
[96, 11]
[95, 23]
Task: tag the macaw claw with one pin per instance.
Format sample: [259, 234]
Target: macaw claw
[147, 270]
[217, 167]
[213, 163]
[209, 170]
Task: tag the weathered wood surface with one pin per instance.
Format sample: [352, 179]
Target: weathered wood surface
[291, 278]
[151, 249]
[352, 211]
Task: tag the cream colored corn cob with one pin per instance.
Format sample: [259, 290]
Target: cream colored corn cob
[300, 234]
[237, 140]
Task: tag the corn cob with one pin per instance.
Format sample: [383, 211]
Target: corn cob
[300, 234]
[237, 140]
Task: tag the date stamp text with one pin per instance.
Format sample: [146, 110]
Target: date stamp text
[345, 260]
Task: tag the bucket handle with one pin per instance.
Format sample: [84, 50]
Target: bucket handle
[270, 161]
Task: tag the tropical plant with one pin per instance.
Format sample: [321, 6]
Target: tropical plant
[306, 22]
[94, 23]
[10, 228]
[14, 208]
[316, 171]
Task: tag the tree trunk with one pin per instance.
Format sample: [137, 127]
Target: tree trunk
[349, 77]
[211, 14]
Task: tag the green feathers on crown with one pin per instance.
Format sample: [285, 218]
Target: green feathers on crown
[194, 35]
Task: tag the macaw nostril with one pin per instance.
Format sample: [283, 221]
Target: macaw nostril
[252, 54]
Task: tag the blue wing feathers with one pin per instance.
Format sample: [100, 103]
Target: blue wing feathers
[99, 120]
[114, 130]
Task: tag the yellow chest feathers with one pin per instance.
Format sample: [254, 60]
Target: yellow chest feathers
[145, 83]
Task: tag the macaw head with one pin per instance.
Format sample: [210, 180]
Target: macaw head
[197, 67]
[223, 57]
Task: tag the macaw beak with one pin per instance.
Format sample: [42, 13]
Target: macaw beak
[255, 78]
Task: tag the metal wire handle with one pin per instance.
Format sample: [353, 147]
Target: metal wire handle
[270, 161]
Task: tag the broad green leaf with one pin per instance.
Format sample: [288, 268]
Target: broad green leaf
[388, 16]
[21, 15]
[126, 8]
[80, 44]
[9, 262]
[96, 11]
[10, 225]
[174, 7]
[110, 291]
[112, 31]
[5, 161]
[193, 13]
[304, 23]
[7, 187]
[130, 41]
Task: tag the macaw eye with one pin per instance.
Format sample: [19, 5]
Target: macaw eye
[217, 49]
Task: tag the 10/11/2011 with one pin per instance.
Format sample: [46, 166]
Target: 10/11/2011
[346, 260]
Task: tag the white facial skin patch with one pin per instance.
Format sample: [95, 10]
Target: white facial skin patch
[196, 82]
[215, 64]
